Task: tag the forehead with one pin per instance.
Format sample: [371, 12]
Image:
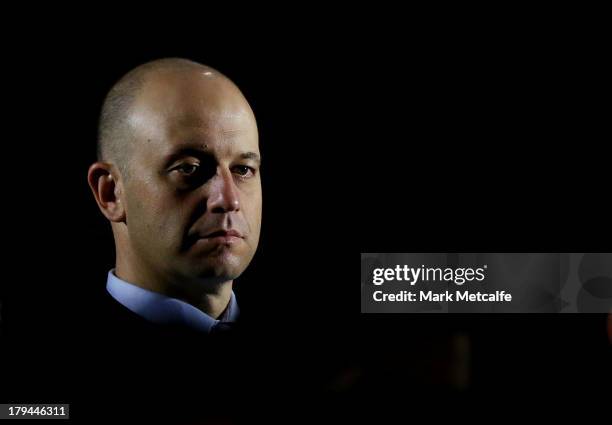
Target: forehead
[171, 113]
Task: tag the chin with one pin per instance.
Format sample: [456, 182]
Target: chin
[219, 271]
[217, 266]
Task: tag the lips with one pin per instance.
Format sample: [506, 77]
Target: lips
[225, 237]
[223, 233]
[206, 239]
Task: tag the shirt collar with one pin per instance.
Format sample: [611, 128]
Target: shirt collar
[161, 309]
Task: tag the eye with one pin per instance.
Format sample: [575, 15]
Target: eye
[187, 169]
[243, 170]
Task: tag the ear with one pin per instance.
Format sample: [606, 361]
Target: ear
[107, 191]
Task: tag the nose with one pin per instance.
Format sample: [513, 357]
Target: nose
[223, 196]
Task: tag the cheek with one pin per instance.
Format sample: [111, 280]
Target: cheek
[154, 218]
[253, 215]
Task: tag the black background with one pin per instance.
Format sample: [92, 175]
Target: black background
[372, 141]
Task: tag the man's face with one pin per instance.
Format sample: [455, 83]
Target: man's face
[193, 192]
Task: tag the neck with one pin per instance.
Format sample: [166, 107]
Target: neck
[212, 299]
[214, 304]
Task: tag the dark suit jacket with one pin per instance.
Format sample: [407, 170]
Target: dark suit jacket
[109, 362]
[151, 370]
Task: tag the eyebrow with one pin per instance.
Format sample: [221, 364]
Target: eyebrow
[189, 151]
[252, 156]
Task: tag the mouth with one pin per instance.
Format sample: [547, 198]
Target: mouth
[224, 233]
[222, 236]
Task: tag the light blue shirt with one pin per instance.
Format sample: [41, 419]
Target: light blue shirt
[158, 308]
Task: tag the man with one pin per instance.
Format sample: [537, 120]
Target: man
[178, 178]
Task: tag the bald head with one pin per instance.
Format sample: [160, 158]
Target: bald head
[171, 86]
[178, 177]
